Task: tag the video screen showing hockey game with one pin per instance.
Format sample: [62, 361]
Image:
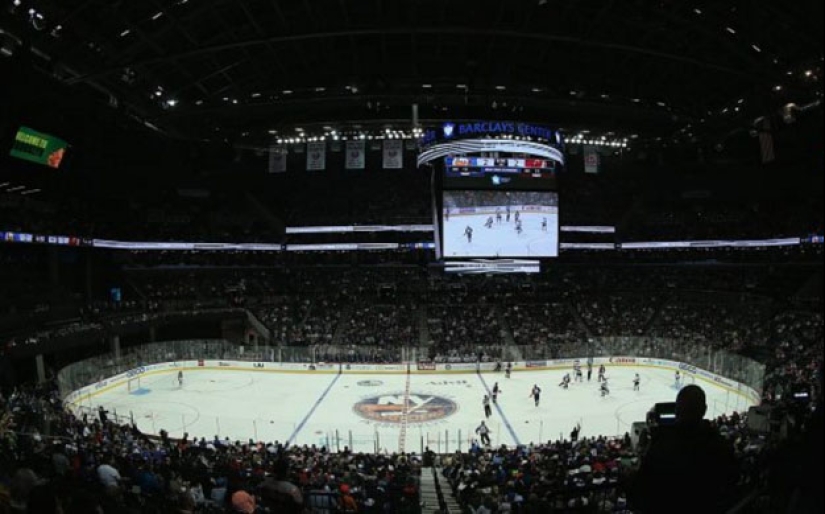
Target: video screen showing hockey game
[500, 224]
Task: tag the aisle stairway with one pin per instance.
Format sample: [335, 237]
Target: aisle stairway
[436, 495]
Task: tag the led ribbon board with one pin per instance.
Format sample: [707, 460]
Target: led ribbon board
[472, 146]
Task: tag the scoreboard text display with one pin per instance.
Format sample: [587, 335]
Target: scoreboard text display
[39, 148]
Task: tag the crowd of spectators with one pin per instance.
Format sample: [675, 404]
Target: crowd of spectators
[52, 461]
[462, 331]
[619, 314]
[540, 324]
[386, 326]
[374, 312]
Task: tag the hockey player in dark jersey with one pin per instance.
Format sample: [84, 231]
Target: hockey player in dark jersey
[536, 394]
[468, 233]
[636, 381]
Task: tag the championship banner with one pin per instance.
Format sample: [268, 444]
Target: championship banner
[277, 158]
[766, 148]
[591, 159]
[316, 156]
[393, 154]
[356, 155]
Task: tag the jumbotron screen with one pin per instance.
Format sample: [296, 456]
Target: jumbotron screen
[500, 224]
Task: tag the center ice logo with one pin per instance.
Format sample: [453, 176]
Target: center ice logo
[420, 409]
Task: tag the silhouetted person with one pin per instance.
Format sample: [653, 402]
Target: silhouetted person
[689, 468]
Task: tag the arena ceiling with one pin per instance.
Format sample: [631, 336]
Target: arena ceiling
[261, 68]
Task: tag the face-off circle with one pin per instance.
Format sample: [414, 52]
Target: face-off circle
[390, 408]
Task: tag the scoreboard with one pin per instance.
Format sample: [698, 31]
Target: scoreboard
[517, 173]
[479, 166]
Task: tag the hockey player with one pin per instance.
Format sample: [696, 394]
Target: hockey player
[604, 389]
[601, 373]
[517, 217]
[519, 229]
[180, 378]
[508, 370]
[484, 432]
[498, 216]
[677, 379]
[489, 222]
[446, 214]
[536, 394]
[589, 370]
[636, 381]
[496, 392]
[544, 224]
[577, 372]
[487, 410]
[468, 233]
[565, 382]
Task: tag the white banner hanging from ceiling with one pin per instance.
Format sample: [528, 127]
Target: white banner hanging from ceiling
[277, 158]
[356, 155]
[317, 156]
[393, 154]
[591, 159]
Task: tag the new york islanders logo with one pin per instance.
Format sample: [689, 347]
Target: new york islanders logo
[390, 408]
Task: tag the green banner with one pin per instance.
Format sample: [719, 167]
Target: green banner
[38, 147]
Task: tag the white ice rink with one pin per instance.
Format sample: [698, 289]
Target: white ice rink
[370, 410]
[501, 240]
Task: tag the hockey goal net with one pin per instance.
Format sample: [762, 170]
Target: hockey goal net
[133, 384]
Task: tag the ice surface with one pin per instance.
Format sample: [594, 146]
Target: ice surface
[368, 411]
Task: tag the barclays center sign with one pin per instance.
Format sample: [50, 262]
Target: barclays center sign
[455, 131]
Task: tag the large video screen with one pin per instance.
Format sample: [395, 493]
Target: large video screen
[500, 224]
[38, 147]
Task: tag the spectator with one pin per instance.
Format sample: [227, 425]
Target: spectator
[109, 477]
[689, 468]
[243, 502]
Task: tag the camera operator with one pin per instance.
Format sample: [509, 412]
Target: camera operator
[689, 467]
